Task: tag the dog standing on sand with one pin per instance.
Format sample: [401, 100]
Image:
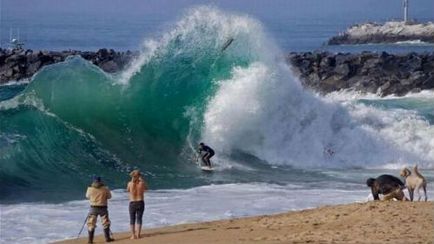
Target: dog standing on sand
[414, 182]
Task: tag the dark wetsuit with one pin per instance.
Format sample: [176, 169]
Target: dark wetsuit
[209, 152]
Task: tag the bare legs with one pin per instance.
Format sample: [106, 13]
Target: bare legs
[133, 233]
[139, 230]
[206, 159]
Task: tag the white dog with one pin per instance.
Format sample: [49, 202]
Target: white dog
[414, 182]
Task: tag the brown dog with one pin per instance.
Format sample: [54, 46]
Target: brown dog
[414, 182]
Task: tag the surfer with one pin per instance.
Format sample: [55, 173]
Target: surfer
[98, 194]
[329, 152]
[136, 187]
[208, 153]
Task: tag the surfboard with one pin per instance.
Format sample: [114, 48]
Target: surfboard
[227, 44]
[206, 168]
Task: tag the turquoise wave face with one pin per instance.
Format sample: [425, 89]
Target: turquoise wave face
[73, 120]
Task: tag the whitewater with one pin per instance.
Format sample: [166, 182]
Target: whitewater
[279, 147]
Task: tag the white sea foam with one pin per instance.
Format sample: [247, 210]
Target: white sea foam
[14, 83]
[348, 96]
[414, 42]
[148, 50]
[262, 110]
[199, 27]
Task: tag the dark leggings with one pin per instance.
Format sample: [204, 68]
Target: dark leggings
[136, 212]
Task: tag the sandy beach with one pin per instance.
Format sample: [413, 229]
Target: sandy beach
[371, 222]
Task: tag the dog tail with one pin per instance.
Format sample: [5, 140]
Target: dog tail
[370, 182]
[416, 172]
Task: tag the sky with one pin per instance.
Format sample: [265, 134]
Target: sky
[275, 8]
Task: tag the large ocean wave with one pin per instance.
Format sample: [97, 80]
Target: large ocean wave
[73, 120]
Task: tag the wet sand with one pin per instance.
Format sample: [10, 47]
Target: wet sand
[371, 222]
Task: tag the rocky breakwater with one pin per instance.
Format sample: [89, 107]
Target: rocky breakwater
[21, 64]
[389, 32]
[367, 72]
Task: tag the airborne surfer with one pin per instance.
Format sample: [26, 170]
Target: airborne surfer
[208, 153]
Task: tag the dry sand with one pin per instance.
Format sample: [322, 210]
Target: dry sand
[371, 222]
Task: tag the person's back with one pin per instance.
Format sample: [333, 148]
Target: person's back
[206, 148]
[136, 190]
[98, 194]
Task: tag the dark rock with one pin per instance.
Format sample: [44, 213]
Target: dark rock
[342, 70]
[343, 58]
[102, 54]
[428, 83]
[109, 66]
[413, 63]
[22, 64]
[33, 67]
[366, 72]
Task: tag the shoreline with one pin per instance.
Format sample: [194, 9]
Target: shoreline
[368, 222]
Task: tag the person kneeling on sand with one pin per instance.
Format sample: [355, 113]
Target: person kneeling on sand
[98, 194]
[388, 185]
[136, 188]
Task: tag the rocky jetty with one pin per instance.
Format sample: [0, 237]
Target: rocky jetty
[389, 32]
[383, 73]
[324, 72]
[19, 64]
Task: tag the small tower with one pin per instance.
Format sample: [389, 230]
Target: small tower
[405, 4]
[15, 41]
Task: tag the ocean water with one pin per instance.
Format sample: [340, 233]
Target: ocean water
[273, 138]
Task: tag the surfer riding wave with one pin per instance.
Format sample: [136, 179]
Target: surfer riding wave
[206, 153]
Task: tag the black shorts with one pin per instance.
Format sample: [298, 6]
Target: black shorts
[136, 212]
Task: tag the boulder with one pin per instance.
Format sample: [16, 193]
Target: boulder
[109, 66]
[342, 70]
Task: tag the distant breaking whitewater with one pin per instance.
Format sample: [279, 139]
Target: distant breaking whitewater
[73, 120]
